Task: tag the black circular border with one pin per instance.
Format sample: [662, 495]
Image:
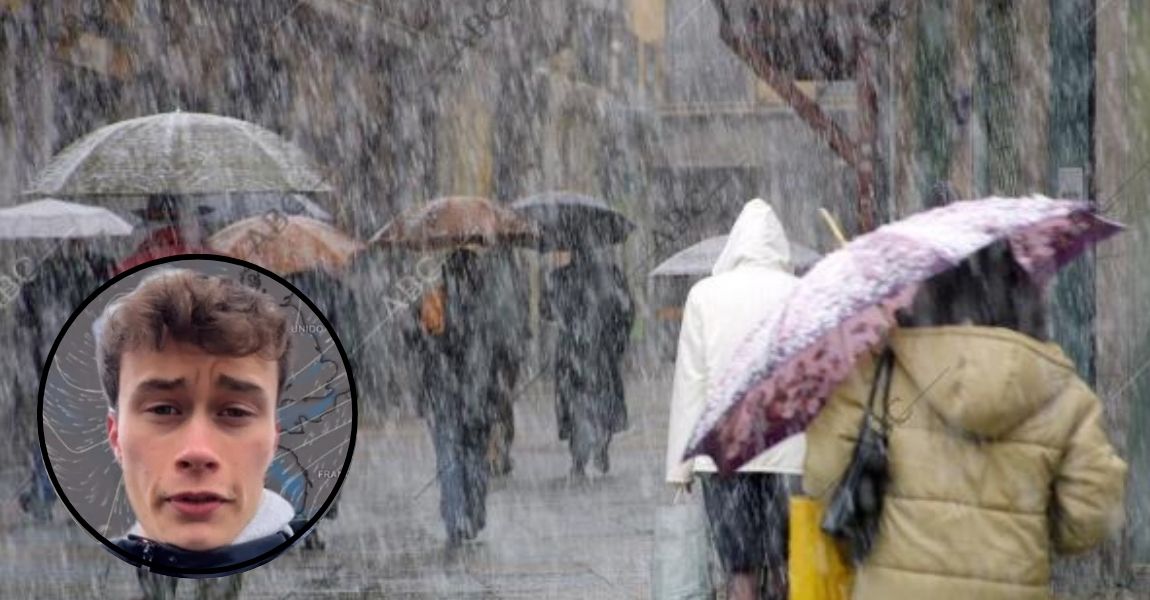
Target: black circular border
[246, 565]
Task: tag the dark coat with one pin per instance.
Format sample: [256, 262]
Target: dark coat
[507, 293]
[57, 289]
[46, 302]
[459, 381]
[593, 307]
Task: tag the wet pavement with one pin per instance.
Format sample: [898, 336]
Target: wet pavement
[546, 536]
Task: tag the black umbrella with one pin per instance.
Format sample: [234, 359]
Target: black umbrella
[568, 219]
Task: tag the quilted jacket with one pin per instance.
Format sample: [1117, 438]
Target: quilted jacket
[999, 458]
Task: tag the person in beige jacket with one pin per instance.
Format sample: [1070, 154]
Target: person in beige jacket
[998, 452]
[748, 512]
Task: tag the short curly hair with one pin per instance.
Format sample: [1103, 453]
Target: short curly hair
[218, 314]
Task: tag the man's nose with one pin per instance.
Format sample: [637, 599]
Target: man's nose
[198, 451]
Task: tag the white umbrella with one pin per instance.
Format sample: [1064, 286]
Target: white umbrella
[177, 154]
[51, 218]
[699, 259]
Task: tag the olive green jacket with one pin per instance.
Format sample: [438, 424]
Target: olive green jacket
[999, 458]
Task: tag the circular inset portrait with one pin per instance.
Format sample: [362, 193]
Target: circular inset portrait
[197, 415]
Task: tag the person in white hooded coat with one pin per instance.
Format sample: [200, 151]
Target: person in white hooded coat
[748, 512]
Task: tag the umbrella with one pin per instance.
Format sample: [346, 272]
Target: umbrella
[456, 221]
[50, 218]
[782, 374]
[699, 259]
[286, 244]
[568, 219]
[177, 153]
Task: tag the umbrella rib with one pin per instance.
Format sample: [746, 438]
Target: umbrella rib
[280, 161]
[98, 137]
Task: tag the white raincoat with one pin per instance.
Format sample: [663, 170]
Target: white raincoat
[748, 283]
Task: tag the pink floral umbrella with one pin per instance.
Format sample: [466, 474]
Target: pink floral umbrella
[784, 371]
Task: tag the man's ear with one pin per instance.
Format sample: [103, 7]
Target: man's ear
[114, 434]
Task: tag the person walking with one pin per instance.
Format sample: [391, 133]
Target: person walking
[458, 323]
[592, 304]
[59, 286]
[748, 512]
[172, 231]
[509, 292]
[998, 452]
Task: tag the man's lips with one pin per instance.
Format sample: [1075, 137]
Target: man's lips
[197, 505]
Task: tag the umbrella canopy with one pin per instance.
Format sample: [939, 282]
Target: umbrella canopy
[286, 244]
[699, 259]
[567, 219]
[456, 221]
[177, 153]
[781, 376]
[51, 218]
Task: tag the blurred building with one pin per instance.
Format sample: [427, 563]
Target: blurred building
[637, 102]
[1116, 175]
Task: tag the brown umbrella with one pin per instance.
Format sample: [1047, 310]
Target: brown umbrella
[456, 221]
[286, 244]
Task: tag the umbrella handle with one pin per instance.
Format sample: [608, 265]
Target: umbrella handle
[829, 219]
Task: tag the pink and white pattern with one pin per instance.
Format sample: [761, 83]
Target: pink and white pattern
[786, 368]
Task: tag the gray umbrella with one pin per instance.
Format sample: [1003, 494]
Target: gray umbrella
[177, 153]
[57, 219]
[699, 259]
[568, 219]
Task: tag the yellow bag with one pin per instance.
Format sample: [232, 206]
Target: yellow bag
[817, 568]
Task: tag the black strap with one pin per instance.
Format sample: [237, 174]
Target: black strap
[883, 370]
[173, 557]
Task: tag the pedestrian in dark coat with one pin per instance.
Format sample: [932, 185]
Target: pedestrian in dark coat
[57, 288]
[508, 291]
[593, 307]
[458, 322]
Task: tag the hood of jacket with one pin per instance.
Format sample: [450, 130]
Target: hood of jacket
[981, 380]
[756, 239]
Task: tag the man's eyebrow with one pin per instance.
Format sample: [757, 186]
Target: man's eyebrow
[238, 385]
[161, 385]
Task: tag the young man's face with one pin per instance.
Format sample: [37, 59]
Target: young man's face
[194, 434]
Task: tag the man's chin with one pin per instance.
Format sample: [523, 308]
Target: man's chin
[188, 538]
